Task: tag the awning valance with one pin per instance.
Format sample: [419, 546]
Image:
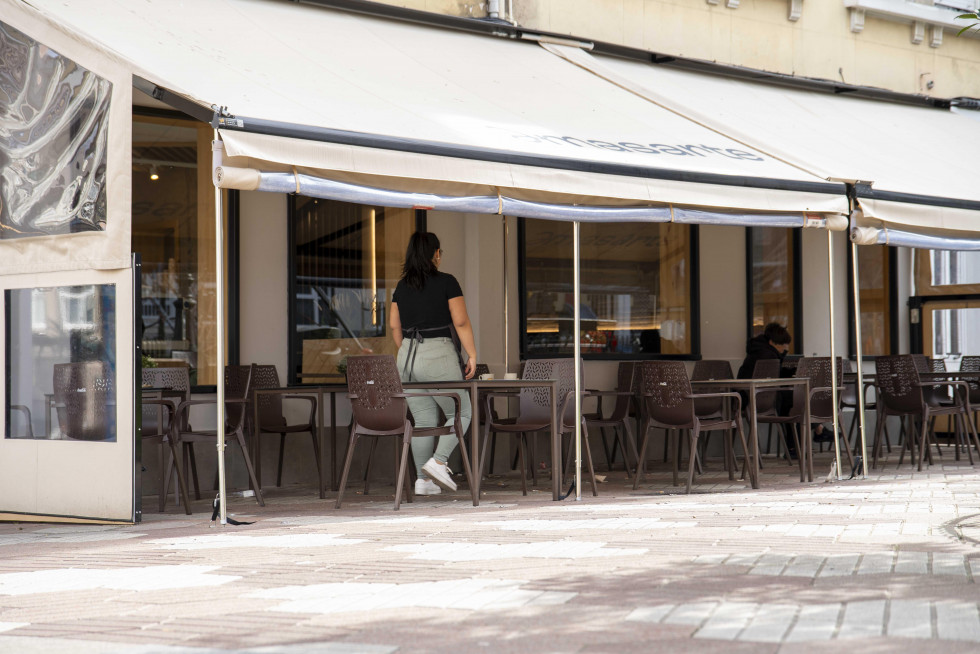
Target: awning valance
[915, 166]
[399, 106]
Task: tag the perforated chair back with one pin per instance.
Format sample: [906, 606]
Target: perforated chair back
[666, 393]
[174, 379]
[625, 383]
[972, 364]
[535, 405]
[373, 379]
[238, 381]
[819, 371]
[705, 370]
[270, 404]
[896, 378]
[84, 398]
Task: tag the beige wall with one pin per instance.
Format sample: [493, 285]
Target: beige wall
[758, 34]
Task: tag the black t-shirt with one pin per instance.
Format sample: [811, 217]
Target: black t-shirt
[428, 308]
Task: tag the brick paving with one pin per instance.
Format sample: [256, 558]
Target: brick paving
[887, 564]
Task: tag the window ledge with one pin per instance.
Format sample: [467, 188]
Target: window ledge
[918, 15]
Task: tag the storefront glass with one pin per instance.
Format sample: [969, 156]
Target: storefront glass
[773, 288]
[346, 260]
[945, 272]
[61, 363]
[875, 292]
[173, 231]
[53, 141]
[636, 288]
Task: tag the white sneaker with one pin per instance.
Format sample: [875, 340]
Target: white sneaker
[426, 487]
[440, 474]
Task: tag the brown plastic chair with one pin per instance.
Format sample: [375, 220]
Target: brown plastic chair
[849, 400]
[238, 381]
[668, 403]
[765, 400]
[158, 425]
[714, 407]
[484, 369]
[272, 420]
[618, 418]
[379, 408]
[534, 414]
[84, 400]
[901, 393]
[972, 364]
[821, 405]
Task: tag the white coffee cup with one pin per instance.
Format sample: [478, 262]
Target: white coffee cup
[510, 375]
[486, 376]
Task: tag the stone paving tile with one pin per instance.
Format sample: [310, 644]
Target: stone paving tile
[878, 564]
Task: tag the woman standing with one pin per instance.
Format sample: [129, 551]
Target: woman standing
[425, 307]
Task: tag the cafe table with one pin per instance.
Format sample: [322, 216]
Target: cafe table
[752, 387]
[474, 386]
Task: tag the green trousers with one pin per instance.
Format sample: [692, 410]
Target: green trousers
[434, 360]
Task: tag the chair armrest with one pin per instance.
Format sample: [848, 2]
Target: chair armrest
[825, 389]
[608, 393]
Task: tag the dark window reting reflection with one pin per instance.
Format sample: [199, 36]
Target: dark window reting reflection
[636, 288]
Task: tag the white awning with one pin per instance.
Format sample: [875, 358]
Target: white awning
[399, 106]
[920, 162]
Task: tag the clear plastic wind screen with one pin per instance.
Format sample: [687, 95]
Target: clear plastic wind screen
[53, 139]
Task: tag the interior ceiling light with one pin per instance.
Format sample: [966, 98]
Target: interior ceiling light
[153, 173]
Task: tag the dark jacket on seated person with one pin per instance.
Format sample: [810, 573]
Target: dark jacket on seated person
[758, 348]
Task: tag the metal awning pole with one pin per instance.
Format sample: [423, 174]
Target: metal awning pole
[506, 303]
[833, 349]
[577, 328]
[219, 295]
[860, 356]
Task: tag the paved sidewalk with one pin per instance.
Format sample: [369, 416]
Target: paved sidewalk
[888, 564]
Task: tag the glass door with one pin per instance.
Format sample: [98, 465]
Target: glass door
[68, 434]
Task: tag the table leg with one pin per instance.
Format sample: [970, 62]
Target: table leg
[320, 443]
[807, 440]
[753, 462]
[333, 441]
[254, 442]
[476, 469]
[556, 462]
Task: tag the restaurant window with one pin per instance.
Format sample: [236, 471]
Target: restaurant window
[773, 259]
[947, 272]
[345, 261]
[173, 231]
[876, 288]
[636, 282]
[53, 141]
[61, 363]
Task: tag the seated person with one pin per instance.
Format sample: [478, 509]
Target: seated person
[773, 343]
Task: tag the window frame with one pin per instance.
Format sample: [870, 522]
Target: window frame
[695, 308]
[796, 245]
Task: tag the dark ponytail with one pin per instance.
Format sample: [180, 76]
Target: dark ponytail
[422, 248]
